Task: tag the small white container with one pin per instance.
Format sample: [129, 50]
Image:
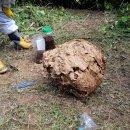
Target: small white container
[38, 43]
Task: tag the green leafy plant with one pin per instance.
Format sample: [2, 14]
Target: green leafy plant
[122, 19]
[107, 5]
[122, 22]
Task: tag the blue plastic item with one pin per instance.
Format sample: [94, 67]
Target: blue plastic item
[25, 84]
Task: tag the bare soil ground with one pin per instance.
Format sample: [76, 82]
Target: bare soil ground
[41, 106]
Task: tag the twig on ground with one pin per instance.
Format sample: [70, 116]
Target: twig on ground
[30, 25]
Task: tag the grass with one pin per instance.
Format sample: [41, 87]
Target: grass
[31, 19]
[42, 107]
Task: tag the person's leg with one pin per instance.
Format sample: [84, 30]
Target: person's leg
[18, 41]
[8, 27]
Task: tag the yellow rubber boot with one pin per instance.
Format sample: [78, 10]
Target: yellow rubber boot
[24, 44]
[19, 42]
[3, 68]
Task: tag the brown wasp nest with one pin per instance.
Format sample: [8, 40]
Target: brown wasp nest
[77, 65]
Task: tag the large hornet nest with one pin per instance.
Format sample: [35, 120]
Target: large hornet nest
[77, 65]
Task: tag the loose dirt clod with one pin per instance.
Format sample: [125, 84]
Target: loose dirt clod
[77, 65]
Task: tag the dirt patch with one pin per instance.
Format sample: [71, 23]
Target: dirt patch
[27, 99]
[122, 75]
[27, 70]
[81, 27]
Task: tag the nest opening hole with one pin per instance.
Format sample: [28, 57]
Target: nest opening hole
[75, 69]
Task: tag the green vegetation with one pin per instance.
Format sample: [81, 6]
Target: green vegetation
[123, 18]
[31, 19]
